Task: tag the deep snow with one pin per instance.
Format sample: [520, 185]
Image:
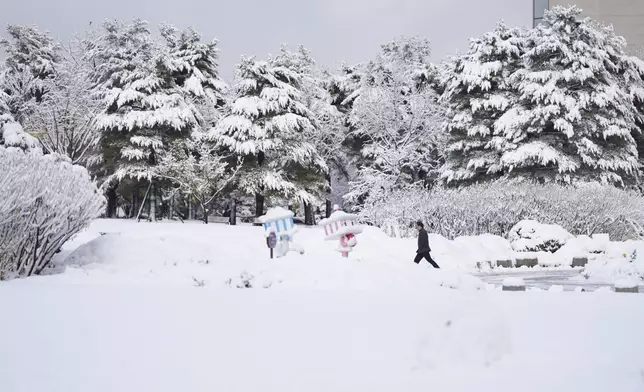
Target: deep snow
[149, 307]
[217, 255]
[79, 338]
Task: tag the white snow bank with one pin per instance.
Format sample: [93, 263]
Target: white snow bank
[469, 251]
[627, 283]
[621, 260]
[532, 236]
[220, 256]
[513, 282]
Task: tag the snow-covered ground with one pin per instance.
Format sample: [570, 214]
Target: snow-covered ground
[216, 255]
[149, 307]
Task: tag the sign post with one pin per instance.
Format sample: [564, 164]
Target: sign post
[271, 241]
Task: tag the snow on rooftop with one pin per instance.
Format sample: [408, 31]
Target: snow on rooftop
[275, 213]
[338, 216]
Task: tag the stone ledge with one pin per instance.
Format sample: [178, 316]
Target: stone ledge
[627, 289]
[513, 288]
[528, 262]
[504, 263]
[579, 261]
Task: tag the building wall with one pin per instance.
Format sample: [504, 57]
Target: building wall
[626, 16]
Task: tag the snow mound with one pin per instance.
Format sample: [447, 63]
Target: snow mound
[532, 236]
[627, 283]
[621, 260]
[202, 256]
[513, 282]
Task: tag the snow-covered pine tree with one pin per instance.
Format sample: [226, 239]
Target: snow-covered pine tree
[328, 132]
[343, 86]
[477, 90]
[399, 119]
[143, 114]
[574, 119]
[32, 57]
[634, 83]
[267, 126]
[193, 67]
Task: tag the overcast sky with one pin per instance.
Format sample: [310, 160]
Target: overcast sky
[334, 30]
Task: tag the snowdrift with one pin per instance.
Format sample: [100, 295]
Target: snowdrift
[221, 256]
[621, 260]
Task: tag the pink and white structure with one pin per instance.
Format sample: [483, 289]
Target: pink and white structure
[341, 226]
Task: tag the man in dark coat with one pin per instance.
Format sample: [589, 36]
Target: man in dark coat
[423, 246]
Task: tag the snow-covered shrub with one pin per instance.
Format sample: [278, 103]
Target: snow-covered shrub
[496, 207]
[43, 203]
[12, 136]
[532, 236]
[621, 260]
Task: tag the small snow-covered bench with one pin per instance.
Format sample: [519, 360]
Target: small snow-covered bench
[513, 284]
[627, 286]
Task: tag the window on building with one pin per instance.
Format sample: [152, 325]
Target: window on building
[539, 8]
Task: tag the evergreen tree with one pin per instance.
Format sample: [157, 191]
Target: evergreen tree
[327, 133]
[477, 89]
[267, 126]
[196, 167]
[343, 87]
[144, 115]
[32, 58]
[193, 67]
[574, 118]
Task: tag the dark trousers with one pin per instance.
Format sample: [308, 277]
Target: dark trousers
[427, 257]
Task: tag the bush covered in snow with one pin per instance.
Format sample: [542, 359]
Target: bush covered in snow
[621, 260]
[532, 236]
[496, 207]
[12, 136]
[44, 203]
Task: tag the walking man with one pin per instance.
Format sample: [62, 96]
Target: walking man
[423, 246]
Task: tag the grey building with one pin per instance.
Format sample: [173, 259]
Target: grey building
[626, 16]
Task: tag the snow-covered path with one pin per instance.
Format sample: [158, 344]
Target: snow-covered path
[87, 338]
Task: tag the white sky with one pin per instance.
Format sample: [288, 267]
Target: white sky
[334, 30]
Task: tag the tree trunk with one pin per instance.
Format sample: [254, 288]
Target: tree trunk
[328, 204]
[259, 205]
[189, 203]
[259, 197]
[205, 213]
[171, 207]
[111, 202]
[153, 204]
[308, 215]
[232, 220]
[136, 201]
